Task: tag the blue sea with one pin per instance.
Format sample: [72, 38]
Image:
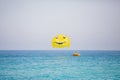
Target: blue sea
[59, 65]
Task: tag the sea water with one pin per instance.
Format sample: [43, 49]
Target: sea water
[59, 65]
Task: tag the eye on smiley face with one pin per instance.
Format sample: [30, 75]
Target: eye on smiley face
[60, 41]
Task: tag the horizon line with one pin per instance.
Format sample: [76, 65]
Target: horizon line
[58, 50]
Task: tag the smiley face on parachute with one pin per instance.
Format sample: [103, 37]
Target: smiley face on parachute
[60, 41]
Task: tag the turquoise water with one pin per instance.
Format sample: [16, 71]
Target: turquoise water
[59, 65]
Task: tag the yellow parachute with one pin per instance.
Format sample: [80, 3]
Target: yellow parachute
[60, 41]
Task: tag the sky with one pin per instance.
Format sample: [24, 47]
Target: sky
[31, 24]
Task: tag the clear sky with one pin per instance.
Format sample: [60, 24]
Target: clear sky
[31, 24]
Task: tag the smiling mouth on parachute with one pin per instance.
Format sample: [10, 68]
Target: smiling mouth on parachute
[59, 43]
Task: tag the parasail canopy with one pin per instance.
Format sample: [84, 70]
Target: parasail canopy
[60, 41]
